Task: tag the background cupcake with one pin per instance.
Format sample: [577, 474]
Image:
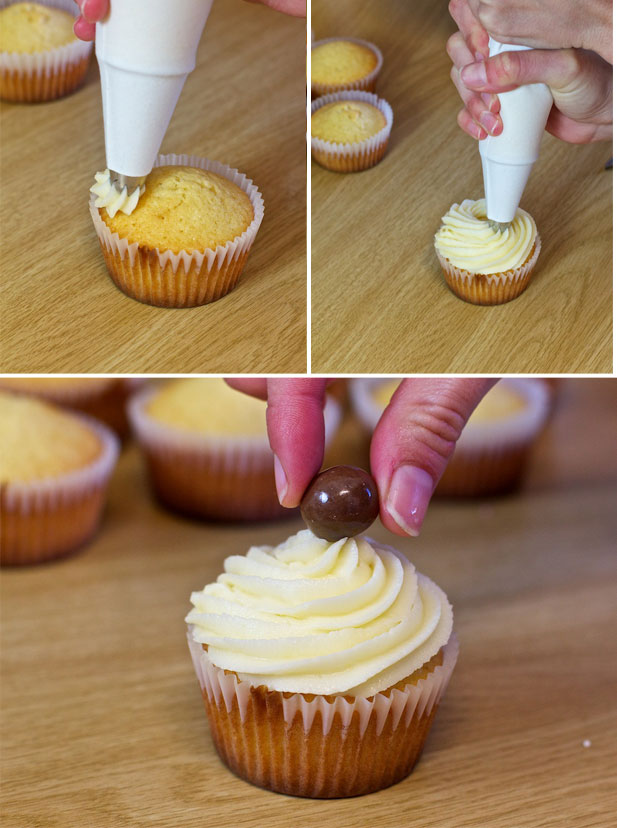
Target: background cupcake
[40, 56]
[321, 664]
[207, 450]
[54, 469]
[187, 240]
[340, 63]
[350, 130]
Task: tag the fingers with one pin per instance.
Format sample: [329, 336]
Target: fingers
[296, 8]
[413, 442]
[296, 432]
[84, 30]
[472, 30]
[256, 387]
[507, 70]
[479, 118]
[91, 11]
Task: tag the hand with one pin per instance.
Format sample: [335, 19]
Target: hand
[91, 11]
[580, 82]
[296, 8]
[410, 449]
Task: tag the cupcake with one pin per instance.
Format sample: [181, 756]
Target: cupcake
[492, 452]
[321, 664]
[186, 241]
[350, 130]
[339, 63]
[102, 397]
[54, 469]
[40, 57]
[207, 451]
[483, 265]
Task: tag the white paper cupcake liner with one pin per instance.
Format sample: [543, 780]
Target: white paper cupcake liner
[44, 75]
[366, 83]
[27, 507]
[489, 289]
[362, 154]
[190, 277]
[235, 473]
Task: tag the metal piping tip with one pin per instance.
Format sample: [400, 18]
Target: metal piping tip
[499, 226]
[129, 181]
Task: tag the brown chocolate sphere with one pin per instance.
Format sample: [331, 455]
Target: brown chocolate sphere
[340, 502]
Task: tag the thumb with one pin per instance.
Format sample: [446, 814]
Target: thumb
[555, 67]
[413, 442]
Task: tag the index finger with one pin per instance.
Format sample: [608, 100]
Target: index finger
[472, 30]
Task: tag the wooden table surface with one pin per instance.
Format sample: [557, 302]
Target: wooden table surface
[379, 301]
[243, 105]
[103, 723]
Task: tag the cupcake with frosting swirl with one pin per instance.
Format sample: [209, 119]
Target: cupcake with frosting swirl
[321, 664]
[481, 264]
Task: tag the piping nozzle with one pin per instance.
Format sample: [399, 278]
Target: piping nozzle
[499, 226]
[131, 182]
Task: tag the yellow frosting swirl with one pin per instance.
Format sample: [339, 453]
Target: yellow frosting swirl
[310, 616]
[113, 199]
[468, 241]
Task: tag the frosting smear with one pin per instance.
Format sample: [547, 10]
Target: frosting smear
[468, 241]
[311, 616]
[113, 199]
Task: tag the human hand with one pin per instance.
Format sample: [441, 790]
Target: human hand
[410, 448]
[296, 8]
[580, 82]
[91, 11]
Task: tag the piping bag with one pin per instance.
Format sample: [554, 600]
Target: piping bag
[507, 159]
[145, 50]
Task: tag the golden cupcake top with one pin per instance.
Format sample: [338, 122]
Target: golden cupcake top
[184, 208]
[208, 407]
[39, 441]
[30, 27]
[43, 385]
[467, 240]
[347, 122]
[341, 61]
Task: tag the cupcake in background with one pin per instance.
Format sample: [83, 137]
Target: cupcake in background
[341, 63]
[321, 664]
[492, 452]
[40, 57]
[102, 397]
[54, 470]
[207, 450]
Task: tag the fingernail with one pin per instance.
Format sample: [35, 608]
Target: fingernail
[474, 74]
[489, 122]
[410, 491]
[280, 478]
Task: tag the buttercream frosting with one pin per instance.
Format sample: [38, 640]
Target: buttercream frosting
[309, 616]
[113, 199]
[468, 241]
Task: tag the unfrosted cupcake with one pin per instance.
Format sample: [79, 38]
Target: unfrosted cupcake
[207, 450]
[340, 63]
[40, 57]
[321, 664]
[480, 264]
[492, 452]
[102, 397]
[54, 469]
[186, 240]
[350, 130]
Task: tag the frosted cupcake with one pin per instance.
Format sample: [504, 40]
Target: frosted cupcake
[40, 57]
[492, 453]
[54, 469]
[350, 130]
[338, 64]
[321, 664]
[207, 450]
[185, 241]
[102, 397]
[480, 264]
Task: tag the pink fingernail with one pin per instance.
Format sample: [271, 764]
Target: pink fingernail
[474, 74]
[489, 122]
[410, 491]
[280, 478]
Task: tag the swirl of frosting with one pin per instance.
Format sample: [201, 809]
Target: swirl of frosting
[113, 199]
[468, 241]
[310, 616]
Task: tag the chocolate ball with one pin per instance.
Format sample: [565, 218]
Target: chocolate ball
[340, 502]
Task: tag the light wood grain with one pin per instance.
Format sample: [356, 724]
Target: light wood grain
[102, 721]
[379, 302]
[59, 311]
